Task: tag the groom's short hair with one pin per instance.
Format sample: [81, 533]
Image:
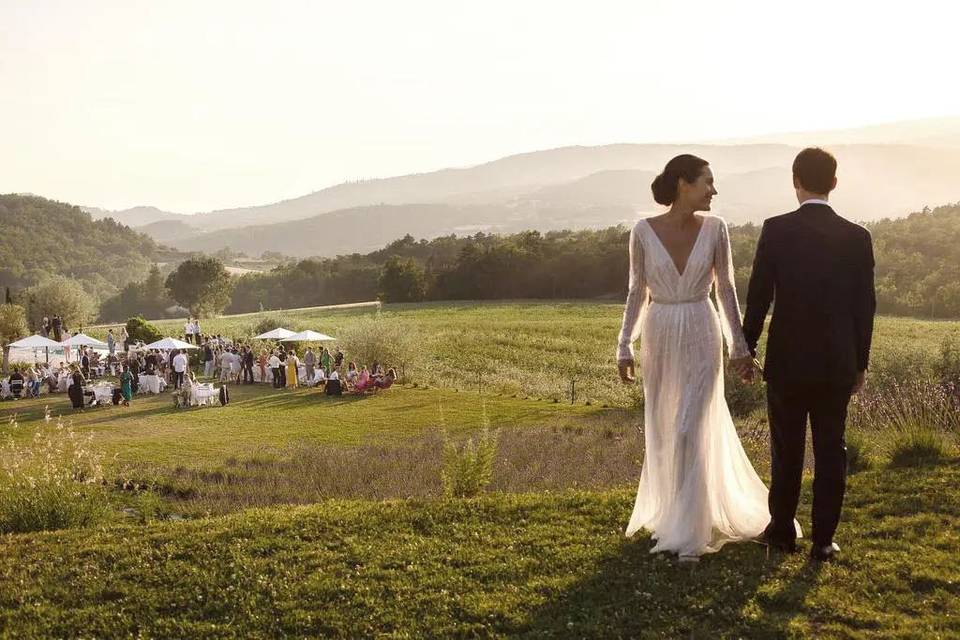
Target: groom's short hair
[815, 169]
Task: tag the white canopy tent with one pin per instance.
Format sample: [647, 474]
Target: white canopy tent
[170, 343]
[35, 342]
[307, 336]
[276, 334]
[83, 340]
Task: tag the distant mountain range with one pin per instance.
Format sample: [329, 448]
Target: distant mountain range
[885, 171]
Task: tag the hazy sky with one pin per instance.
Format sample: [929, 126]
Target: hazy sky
[200, 105]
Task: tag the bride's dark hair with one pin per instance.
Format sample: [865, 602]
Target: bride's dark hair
[684, 166]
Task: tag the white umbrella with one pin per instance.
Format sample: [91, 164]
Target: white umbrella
[35, 342]
[170, 343]
[82, 339]
[307, 336]
[276, 334]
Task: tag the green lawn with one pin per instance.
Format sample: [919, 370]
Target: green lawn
[535, 348]
[542, 556]
[261, 418]
[532, 565]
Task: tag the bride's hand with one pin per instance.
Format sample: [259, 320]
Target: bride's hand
[627, 372]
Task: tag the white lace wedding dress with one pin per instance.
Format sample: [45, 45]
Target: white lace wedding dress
[697, 489]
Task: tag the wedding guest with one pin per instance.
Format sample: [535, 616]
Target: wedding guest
[351, 376]
[309, 360]
[126, 385]
[275, 366]
[179, 368]
[338, 359]
[75, 390]
[262, 363]
[282, 354]
[325, 361]
[292, 364]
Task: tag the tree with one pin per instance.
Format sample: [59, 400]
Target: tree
[13, 326]
[202, 285]
[140, 329]
[58, 295]
[402, 281]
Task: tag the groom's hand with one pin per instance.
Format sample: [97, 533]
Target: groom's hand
[627, 372]
[743, 367]
[859, 382]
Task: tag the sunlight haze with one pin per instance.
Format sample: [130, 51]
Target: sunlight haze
[197, 106]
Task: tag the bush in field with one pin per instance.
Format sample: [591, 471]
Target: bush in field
[383, 340]
[468, 469]
[140, 329]
[918, 446]
[53, 482]
[859, 452]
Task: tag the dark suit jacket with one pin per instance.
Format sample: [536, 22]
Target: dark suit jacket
[819, 268]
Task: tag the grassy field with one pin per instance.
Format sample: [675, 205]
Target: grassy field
[325, 517]
[535, 348]
[531, 565]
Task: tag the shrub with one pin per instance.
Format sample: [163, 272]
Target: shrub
[53, 482]
[140, 329]
[859, 452]
[918, 446]
[467, 470]
[383, 340]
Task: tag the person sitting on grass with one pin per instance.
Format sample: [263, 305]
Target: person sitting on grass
[363, 380]
[319, 377]
[350, 378]
[386, 381]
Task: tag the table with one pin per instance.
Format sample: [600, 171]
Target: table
[205, 394]
[151, 384]
[103, 392]
[4, 389]
[63, 382]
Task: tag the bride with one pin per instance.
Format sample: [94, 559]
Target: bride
[697, 489]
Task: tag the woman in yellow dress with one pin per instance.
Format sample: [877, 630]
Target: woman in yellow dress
[292, 363]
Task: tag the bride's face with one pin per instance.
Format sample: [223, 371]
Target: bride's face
[699, 194]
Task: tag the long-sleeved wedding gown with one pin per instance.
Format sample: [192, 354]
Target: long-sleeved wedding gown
[697, 489]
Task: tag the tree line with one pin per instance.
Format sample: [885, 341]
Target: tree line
[917, 272]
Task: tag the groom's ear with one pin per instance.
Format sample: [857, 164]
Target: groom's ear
[834, 183]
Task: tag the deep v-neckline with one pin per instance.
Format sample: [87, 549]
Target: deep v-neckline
[686, 263]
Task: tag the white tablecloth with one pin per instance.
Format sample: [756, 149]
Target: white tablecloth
[206, 394]
[4, 389]
[151, 384]
[63, 383]
[103, 392]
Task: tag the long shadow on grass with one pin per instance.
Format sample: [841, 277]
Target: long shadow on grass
[296, 400]
[633, 593]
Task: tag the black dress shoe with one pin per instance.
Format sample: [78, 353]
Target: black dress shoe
[824, 553]
[780, 544]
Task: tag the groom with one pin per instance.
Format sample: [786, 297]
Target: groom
[819, 267]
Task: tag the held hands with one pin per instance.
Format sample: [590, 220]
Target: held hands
[746, 367]
[627, 371]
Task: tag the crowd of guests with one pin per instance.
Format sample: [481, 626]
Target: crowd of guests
[219, 358]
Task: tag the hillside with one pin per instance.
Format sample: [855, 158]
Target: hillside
[40, 237]
[573, 187]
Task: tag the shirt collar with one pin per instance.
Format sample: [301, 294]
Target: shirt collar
[815, 201]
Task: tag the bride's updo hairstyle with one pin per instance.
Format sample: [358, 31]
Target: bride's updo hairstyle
[684, 166]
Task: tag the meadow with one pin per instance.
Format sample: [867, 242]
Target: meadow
[288, 513]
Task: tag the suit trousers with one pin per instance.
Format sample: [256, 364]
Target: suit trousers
[788, 406]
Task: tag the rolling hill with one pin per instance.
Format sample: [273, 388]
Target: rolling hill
[575, 187]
